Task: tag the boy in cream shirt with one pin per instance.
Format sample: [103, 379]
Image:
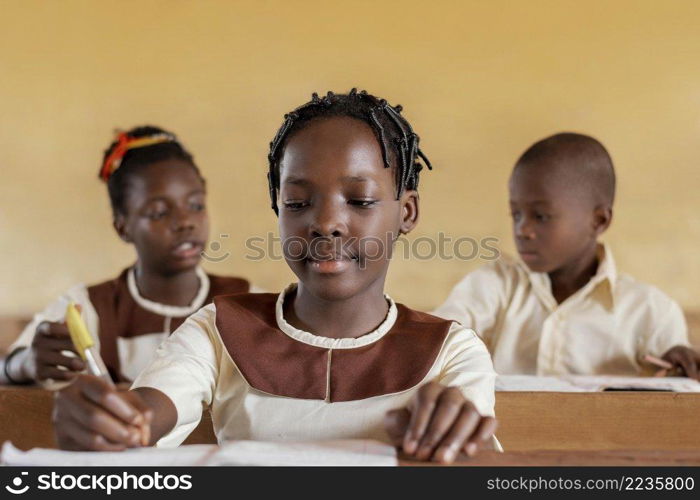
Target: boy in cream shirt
[563, 308]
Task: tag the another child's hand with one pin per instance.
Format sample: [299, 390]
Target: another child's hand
[46, 353]
[438, 424]
[90, 414]
[685, 358]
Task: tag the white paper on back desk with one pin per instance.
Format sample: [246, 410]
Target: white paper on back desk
[593, 383]
[333, 453]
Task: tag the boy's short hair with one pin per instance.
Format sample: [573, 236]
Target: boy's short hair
[580, 156]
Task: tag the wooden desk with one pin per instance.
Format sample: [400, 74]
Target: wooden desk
[528, 420]
[598, 421]
[10, 328]
[25, 419]
[548, 458]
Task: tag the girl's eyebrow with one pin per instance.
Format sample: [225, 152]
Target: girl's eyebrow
[156, 198]
[305, 182]
[533, 202]
[297, 181]
[356, 178]
[167, 198]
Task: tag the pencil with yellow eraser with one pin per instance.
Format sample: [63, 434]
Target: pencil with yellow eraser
[85, 345]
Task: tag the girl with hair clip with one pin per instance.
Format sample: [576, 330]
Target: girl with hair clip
[158, 200]
[332, 356]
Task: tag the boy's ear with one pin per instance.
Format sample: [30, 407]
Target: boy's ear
[119, 224]
[602, 217]
[409, 211]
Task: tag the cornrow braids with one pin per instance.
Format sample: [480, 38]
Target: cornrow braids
[398, 141]
[137, 158]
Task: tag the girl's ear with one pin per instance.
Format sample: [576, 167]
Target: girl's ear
[409, 211]
[602, 217]
[119, 224]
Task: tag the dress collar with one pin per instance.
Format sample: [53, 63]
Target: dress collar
[165, 309]
[327, 342]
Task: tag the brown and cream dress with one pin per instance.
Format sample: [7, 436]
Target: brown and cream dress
[128, 327]
[265, 380]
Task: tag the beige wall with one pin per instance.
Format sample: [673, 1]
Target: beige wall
[479, 80]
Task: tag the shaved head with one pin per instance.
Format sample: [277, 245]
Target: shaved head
[577, 160]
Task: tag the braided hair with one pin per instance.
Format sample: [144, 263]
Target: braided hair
[398, 141]
[137, 158]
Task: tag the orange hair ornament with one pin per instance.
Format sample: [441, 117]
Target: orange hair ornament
[124, 144]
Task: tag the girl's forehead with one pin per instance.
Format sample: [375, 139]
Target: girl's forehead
[349, 171]
[172, 171]
[165, 178]
[338, 146]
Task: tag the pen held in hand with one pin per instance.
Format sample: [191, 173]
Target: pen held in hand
[82, 340]
[84, 344]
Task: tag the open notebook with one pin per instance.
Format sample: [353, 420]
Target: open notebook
[333, 453]
[594, 383]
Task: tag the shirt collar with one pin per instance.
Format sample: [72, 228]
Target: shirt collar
[327, 342]
[606, 265]
[165, 309]
[606, 275]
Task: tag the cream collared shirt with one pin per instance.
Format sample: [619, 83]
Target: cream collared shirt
[194, 369]
[604, 328]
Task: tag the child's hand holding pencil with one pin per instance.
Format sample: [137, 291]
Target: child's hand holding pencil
[92, 414]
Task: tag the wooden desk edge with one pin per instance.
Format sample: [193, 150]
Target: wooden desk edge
[569, 458]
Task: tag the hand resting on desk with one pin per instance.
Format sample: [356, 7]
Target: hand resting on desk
[685, 358]
[438, 424]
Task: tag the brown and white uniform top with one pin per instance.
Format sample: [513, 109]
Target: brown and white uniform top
[126, 326]
[265, 380]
